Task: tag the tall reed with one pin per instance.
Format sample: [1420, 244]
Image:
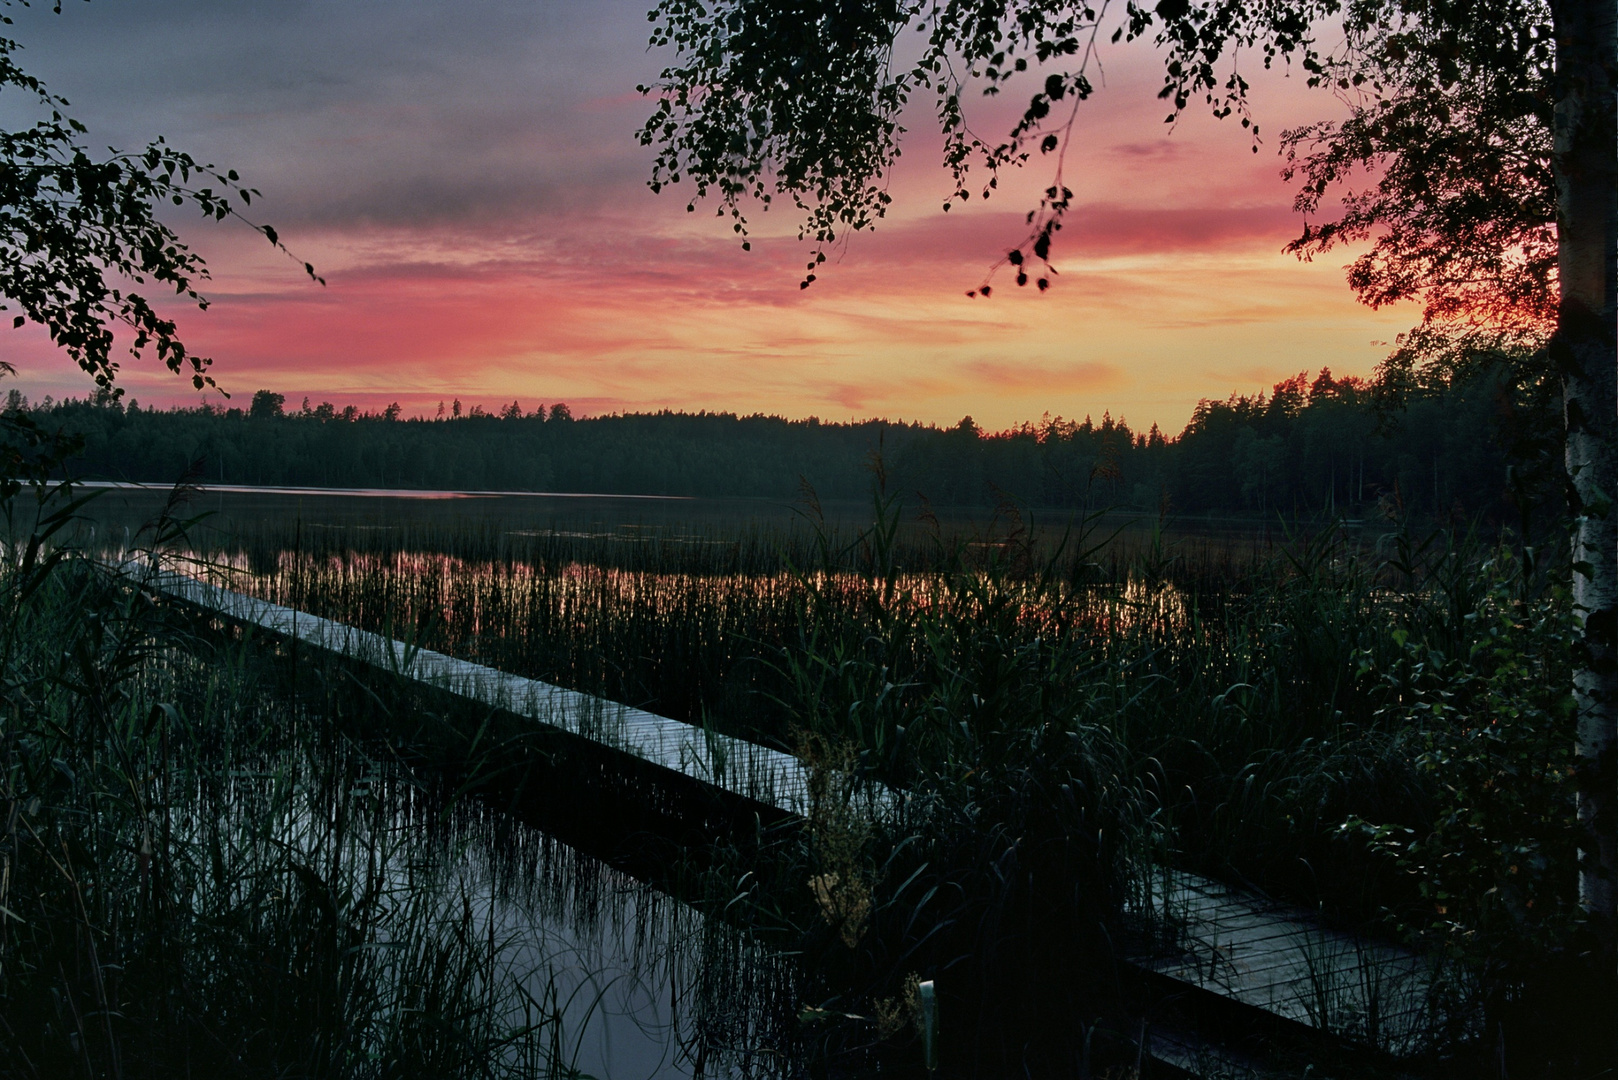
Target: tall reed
[1053, 710]
[202, 873]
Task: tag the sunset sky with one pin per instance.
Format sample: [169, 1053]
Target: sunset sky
[466, 178]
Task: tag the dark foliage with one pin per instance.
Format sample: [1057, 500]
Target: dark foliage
[81, 240]
[1470, 439]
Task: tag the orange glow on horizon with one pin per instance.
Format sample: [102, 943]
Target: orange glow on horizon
[588, 289]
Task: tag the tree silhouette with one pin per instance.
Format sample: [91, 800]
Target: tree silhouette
[267, 405]
[1489, 125]
[73, 223]
[1307, 450]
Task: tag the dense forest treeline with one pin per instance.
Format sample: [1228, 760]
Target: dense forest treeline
[1473, 443]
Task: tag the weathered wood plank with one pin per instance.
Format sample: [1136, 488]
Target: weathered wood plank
[1280, 959]
[729, 764]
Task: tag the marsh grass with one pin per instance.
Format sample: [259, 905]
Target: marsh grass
[1059, 714]
[1234, 676]
[688, 626]
[202, 873]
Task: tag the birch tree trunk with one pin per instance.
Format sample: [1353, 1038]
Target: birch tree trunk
[1585, 162]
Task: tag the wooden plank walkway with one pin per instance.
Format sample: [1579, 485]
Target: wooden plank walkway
[1241, 947]
[1280, 959]
[733, 765]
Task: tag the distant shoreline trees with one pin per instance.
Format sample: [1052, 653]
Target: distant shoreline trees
[1466, 445]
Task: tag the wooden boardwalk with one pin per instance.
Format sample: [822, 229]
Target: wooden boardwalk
[731, 765]
[1281, 960]
[1268, 957]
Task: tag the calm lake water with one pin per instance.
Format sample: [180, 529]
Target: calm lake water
[620, 980]
[646, 987]
[391, 515]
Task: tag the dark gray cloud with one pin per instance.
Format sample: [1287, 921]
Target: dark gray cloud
[367, 112]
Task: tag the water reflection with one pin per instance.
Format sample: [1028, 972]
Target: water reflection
[468, 599]
[641, 985]
[583, 969]
[237, 509]
[272, 491]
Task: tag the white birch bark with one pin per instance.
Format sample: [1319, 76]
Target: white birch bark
[1585, 162]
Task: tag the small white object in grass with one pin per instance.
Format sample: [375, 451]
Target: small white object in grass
[929, 1024]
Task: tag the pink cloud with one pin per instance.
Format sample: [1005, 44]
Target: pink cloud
[487, 234]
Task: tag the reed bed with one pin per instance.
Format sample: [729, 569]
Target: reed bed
[202, 873]
[691, 626]
[1374, 726]
[1179, 651]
